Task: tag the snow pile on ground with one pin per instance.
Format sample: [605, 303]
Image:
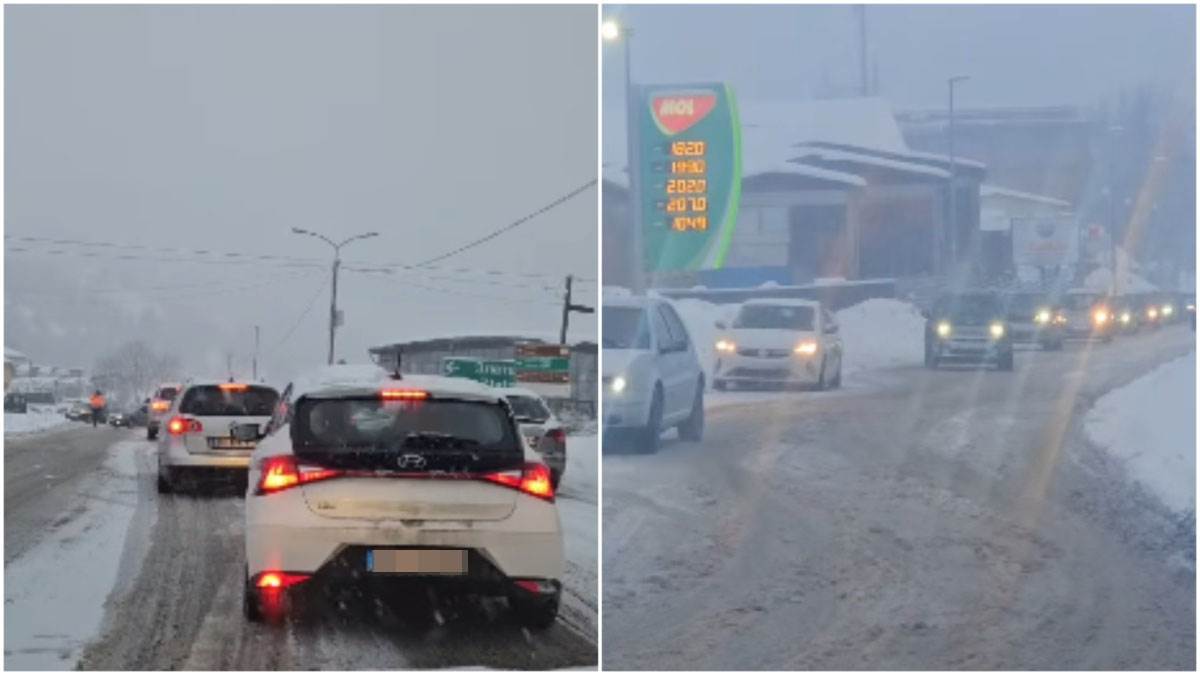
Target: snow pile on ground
[34, 420]
[1150, 424]
[54, 594]
[700, 317]
[881, 333]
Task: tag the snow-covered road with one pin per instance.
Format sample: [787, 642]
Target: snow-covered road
[951, 519]
[102, 572]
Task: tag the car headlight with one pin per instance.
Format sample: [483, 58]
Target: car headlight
[996, 330]
[1152, 313]
[618, 384]
[1100, 316]
[726, 346]
[1060, 319]
[1168, 310]
[806, 348]
[1043, 316]
[943, 329]
[1125, 318]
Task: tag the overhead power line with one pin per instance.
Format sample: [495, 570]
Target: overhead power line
[511, 226]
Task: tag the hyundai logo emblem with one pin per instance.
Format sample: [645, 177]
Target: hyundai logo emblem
[410, 462]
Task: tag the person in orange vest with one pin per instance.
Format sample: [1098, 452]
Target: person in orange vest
[97, 404]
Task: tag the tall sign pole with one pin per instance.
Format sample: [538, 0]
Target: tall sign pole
[632, 102]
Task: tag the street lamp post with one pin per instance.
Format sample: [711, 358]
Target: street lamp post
[953, 215]
[612, 31]
[1113, 130]
[337, 262]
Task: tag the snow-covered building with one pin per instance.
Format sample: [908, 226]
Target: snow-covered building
[1030, 234]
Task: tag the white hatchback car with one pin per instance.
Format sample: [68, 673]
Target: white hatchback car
[542, 430]
[198, 439]
[652, 378]
[377, 484]
[779, 341]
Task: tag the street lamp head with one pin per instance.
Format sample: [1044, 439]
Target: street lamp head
[610, 30]
[959, 78]
[296, 230]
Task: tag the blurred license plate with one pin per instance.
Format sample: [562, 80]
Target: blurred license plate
[225, 443]
[417, 561]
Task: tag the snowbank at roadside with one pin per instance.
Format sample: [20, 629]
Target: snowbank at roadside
[34, 420]
[881, 333]
[54, 594]
[577, 499]
[1150, 424]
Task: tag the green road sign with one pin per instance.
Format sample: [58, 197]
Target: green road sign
[492, 372]
[690, 163]
[544, 363]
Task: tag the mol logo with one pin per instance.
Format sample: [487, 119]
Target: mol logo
[675, 113]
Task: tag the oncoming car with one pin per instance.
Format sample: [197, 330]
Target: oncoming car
[1089, 315]
[968, 326]
[1033, 318]
[652, 379]
[199, 440]
[540, 427]
[781, 342]
[377, 486]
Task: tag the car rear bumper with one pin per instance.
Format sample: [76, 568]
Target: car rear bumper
[178, 457]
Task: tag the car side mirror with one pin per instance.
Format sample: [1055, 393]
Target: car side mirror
[720, 324]
[245, 432]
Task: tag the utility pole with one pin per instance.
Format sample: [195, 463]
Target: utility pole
[254, 361]
[1113, 130]
[337, 262]
[611, 31]
[953, 216]
[568, 307]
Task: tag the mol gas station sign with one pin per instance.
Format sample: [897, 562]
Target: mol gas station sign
[690, 170]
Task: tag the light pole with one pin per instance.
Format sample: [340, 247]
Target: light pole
[1113, 130]
[950, 82]
[612, 31]
[337, 261]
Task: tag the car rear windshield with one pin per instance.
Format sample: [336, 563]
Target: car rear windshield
[625, 328]
[167, 393]
[406, 435]
[775, 316]
[212, 400]
[528, 408]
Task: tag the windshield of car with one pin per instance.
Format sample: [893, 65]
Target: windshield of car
[625, 328]
[1081, 301]
[447, 434]
[528, 408]
[971, 308]
[784, 317]
[215, 400]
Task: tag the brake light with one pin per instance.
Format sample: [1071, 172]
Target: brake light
[533, 479]
[282, 472]
[280, 579]
[184, 425]
[557, 435]
[160, 406]
[403, 395]
[233, 386]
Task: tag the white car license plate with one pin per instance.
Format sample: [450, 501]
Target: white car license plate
[417, 561]
[226, 443]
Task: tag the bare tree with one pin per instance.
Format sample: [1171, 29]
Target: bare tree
[133, 369]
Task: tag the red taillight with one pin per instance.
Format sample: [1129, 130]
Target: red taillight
[282, 472]
[184, 425]
[403, 394]
[557, 435]
[533, 479]
[233, 386]
[280, 579]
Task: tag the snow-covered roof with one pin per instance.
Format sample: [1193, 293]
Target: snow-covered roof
[988, 190]
[14, 355]
[795, 168]
[782, 302]
[829, 155]
[359, 379]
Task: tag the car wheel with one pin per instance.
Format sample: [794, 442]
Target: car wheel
[555, 477]
[692, 429]
[251, 605]
[536, 612]
[651, 434]
[164, 485]
[821, 384]
[151, 434]
[837, 377]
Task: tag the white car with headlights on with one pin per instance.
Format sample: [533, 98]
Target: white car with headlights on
[779, 341]
[197, 439]
[369, 484]
[652, 379]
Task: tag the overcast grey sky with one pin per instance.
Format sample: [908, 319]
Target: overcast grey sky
[221, 127]
[1016, 55]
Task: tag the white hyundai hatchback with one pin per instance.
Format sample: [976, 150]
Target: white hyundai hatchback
[198, 441]
[779, 341]
[384, 485]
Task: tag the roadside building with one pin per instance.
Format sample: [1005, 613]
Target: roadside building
[1033, 237]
